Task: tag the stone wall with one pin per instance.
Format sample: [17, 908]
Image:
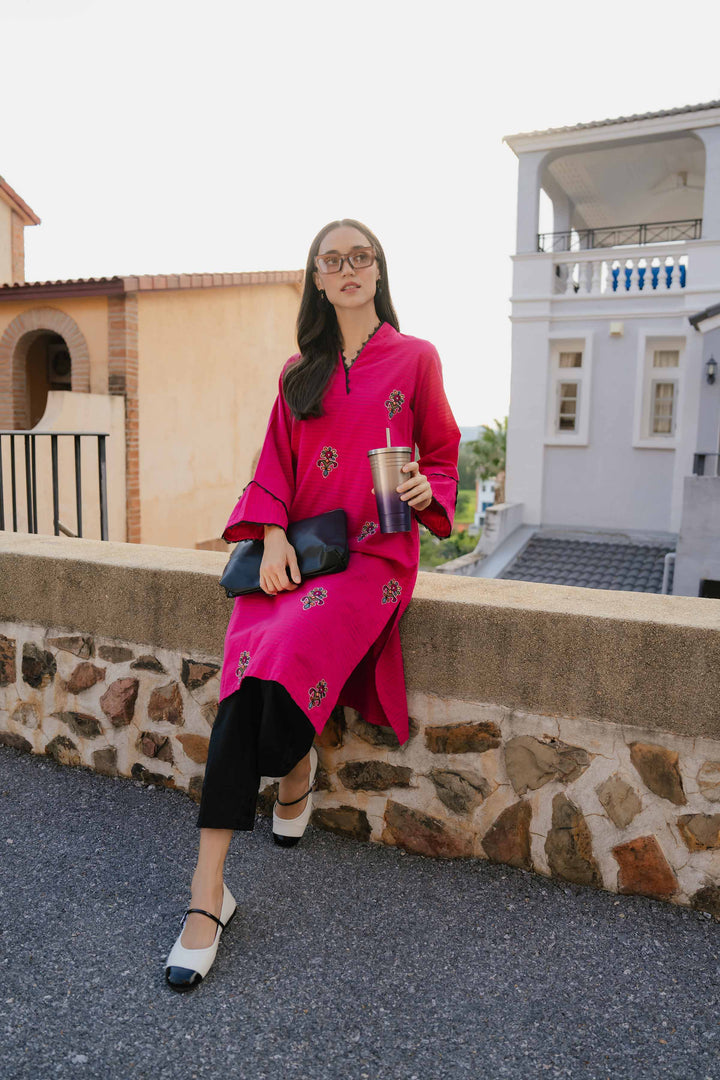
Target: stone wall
[627, 801]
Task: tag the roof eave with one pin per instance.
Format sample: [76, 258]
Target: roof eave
[146, 283]
[21, 208]
[703, 316]
[658, 123]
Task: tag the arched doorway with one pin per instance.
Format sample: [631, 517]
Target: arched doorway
[48, 366]
[43, 349]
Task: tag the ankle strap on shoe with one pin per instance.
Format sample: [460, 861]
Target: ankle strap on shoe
[295, 800]
[201, 911]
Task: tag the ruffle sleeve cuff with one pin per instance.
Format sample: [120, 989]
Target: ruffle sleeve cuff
[439, 516]
[255, 508]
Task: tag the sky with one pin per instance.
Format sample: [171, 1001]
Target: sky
[161, 137]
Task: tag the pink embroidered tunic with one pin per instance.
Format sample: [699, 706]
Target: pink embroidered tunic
[335, 638]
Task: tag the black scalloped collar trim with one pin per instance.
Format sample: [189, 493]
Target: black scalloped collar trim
[370, 336]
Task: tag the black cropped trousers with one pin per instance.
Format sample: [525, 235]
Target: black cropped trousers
[259, 730]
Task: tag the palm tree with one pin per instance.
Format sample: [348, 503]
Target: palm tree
[489, 449]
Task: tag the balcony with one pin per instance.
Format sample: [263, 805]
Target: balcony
[661, 232]
[635, 273]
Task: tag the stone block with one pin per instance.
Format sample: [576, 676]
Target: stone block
[154, 744]
[26, 714]
[81, 645]
[195, 746]
[461, 791]
[414, 831]
[82, 724]
[707, 899]
[196, 673]
[8, 676]
[139, 772]
[118, 701]
[332, 735]
[18, 742]
[148, 663]
[347, 820]
[63, 750]
[619, 799]
[105, 761]
[644, 870]
[373, 775]
[568, 845]
[208, 711]
[83, 677]
[195, 788]
[701, 832]
[658, 767]
[464, 738]
[508, 838]
[323, 781]
[531, 763]
[378, 734]
[708, 780]
[266, 799]
[166, 705]
[115, 654]
[38, 666]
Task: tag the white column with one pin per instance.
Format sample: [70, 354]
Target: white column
[711, 197]
[528, 200]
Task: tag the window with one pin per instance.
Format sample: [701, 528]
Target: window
[662, 416]
[666, 357]
[658, 392]
[568, 399]
[567, 413]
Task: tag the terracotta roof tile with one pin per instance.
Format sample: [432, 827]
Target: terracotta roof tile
[150, 283]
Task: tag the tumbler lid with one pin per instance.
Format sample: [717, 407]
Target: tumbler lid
[390, 450]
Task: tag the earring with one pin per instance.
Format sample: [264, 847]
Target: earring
[322, 296]
[378, 287]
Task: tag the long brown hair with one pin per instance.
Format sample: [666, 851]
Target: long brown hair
[318, 333]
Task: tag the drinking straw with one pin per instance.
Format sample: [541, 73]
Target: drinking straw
[387, 430]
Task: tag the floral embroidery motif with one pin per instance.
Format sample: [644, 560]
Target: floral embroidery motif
[317, 693]
[243, 661]
[327, 460]
[316, 596]
[391, 591]
[394, 402]
[368, 529]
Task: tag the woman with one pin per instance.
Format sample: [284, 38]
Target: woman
[294, 651]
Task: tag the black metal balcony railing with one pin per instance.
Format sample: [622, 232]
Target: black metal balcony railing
[30, 438]
[704, 467]
[660, 232]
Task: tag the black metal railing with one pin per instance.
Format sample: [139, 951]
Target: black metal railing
[659, 232]
[29, 439]
[704, 467]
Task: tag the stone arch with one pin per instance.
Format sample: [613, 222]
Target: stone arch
[14, 345]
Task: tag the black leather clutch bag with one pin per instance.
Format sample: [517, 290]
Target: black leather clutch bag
[320, 544]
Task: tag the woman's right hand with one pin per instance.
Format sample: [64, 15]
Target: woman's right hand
[278, 555]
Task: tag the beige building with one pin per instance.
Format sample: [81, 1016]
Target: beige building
[180, 371]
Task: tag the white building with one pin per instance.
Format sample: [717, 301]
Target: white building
[611, 398]
[484, 498]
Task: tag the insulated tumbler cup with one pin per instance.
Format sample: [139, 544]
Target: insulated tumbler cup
[386, 463]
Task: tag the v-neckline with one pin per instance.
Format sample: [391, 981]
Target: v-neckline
[360, 350]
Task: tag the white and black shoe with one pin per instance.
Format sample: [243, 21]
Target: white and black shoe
[186, 968]
[287, 831]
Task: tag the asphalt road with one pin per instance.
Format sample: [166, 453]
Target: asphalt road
[345, 961]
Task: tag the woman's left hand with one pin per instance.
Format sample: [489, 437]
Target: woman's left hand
[416, 490]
